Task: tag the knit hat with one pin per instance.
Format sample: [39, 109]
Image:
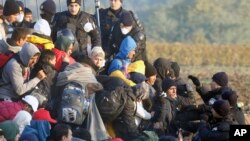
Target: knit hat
[43, 114]
[42, 27]
[150, 70]
[231, 96]
[221, 107]
[32, 101]
[10, 8]
[220, 78]
[63, 43]
[73, 1]
[48, 6]
[21, 5]
[167, 83]
[22, 119]
[137, 77]
[97, 51]
[176, 68]
[126, 19]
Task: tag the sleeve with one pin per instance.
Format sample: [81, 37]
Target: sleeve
[16, 79]
[95, 34]
[119, 74]
[141, 112]
[206, 133]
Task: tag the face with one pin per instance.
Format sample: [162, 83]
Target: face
[97, 60]
[68, 137]
[33, 60]
[70, 49]
[28, 17]
[131, 54]
[115, 4]
[214, 85]
[74, 8]
[53, 61]
[172, 92]
[151, 80]
[22, 41]
[125, 29]
[12, 18]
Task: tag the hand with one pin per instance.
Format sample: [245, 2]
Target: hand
[158, 125]
[41, 75]
[195, 80]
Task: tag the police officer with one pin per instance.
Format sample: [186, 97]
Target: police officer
[80, 23]
[110, 22]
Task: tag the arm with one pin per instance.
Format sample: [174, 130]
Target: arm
[141, 112]
[15, 75]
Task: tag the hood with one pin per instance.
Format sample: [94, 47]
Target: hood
[161, 65]
[5, 46]
[22, 119]
[76, 72]
[63, 43]
[48, 44]
[27, 52]
[128, 44]
[42, 127]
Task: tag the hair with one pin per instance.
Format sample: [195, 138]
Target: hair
[27, 11]
[20, 33]
[46, 56]
[59, 131]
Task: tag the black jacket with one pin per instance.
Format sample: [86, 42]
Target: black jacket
[216, 94]
[216, 131]
[76, 24]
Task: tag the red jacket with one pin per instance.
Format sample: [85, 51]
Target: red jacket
[9, 109]
[59, 58]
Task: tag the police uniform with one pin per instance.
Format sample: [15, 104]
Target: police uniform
[79, 25]
[112, 36]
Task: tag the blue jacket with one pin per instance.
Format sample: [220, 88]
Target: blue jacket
[121, 59]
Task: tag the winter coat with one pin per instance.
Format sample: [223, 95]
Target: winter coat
[6, 47]
[9, 109]
[39, 128]
[76, 24]
[124, 125]
[16, 74]
[41, 41]
[217, 131]
[211, 95]
[10, 129]
[59, 66]
[185, 90]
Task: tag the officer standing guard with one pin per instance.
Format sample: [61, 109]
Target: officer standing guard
[80, 23]
[112, 36]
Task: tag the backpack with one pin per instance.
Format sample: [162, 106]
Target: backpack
[111, 104]
[74, 105]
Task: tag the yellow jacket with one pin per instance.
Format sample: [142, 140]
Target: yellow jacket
[46, 43]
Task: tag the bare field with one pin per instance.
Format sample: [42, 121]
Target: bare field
[205, 60]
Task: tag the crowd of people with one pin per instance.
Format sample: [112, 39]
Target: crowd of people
[63, 78]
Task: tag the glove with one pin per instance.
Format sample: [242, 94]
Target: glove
[195, 80]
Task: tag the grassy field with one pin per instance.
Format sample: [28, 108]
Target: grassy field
[205, 60]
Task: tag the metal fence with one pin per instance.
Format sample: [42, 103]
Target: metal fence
[34, 5]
